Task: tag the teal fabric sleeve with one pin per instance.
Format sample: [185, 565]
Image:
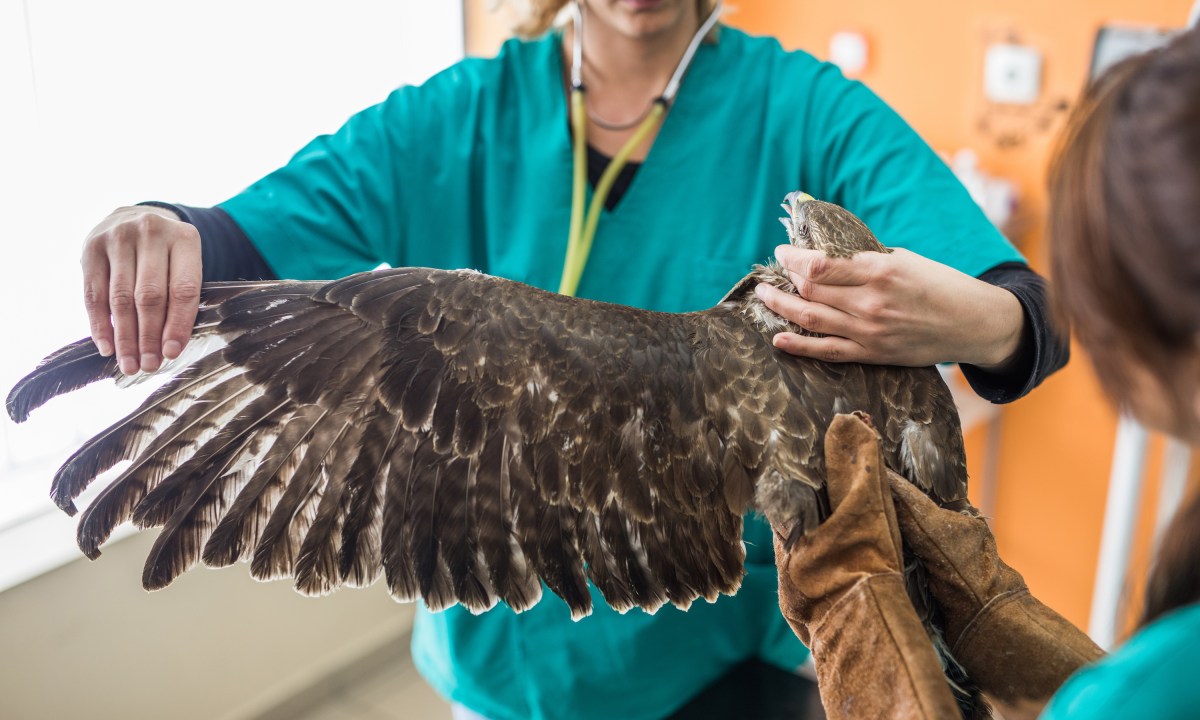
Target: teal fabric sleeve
[392, 185]
[1150, 677]
[319, 216]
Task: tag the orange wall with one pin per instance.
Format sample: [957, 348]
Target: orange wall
[926, 60]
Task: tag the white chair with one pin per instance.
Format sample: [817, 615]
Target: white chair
[1124, 499]
[1125, 489]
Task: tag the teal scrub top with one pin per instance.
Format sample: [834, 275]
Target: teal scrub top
[473, 169]
[1151, 677]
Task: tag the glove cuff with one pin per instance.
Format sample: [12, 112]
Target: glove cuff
[1020, 651]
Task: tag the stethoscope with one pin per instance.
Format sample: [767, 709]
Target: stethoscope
[583, 226]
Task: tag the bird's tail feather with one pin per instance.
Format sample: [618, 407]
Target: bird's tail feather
[969, 696]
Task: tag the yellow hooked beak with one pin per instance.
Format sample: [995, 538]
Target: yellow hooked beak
[791, 204]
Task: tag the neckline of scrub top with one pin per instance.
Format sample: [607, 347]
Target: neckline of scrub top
[664, 146]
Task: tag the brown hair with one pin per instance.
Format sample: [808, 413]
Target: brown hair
[534, 17]
[1125, 255]
[1175, 576]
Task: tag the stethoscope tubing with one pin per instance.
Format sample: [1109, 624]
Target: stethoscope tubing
[583, 225]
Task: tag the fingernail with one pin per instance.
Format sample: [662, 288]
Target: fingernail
[149, 362]
[761, 290]
[128, 365]
[104, 347]
[171, 349]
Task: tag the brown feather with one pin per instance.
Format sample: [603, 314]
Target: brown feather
[397, 557]
[118, 501]
[237, 533]
[278, 546]
[138, 434]
[359, 559]
[217, 472]
[318, 569]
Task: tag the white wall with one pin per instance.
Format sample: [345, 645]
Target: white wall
[108, 103]
[85, 641]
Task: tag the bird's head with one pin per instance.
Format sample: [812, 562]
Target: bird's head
[811, 224]
[823, 226]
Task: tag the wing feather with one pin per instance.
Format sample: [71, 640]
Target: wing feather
[279, 544]
[359, 561]
[118, 501]
[238, 532]
[397, 557]
[139, 434]
[468, 438]
[217, 473]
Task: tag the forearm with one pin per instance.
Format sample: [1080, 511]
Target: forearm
[873, 658]
[1016, 648]
[901, 308]
[1021, 651]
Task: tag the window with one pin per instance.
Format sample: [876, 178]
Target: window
[115, 102]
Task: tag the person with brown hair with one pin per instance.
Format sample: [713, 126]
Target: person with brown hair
[1125, 251]
[635, 155]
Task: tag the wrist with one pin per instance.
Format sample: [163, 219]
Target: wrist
[985, 619]
[154, 207]
[1020, 651]
[1002, 332]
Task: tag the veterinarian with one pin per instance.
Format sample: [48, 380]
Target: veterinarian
[1124, 213]
[477, 168]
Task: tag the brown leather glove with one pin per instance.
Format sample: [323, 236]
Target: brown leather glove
[1017, 649]
[841, 590]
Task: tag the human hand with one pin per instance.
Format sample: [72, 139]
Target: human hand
[842, 592]
[141, 285]
[895, 308]
[859, 540]
[1017, 649]
[958, 550]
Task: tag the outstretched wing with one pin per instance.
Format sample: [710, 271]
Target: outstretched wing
[464, 435]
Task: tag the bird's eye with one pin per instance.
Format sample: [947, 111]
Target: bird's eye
[803, 230]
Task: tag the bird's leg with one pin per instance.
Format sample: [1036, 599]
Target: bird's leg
[791, 505]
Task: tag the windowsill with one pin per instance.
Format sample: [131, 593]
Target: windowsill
[35, 536]
[41, 544]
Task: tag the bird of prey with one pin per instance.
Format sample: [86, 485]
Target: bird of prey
[469, 438]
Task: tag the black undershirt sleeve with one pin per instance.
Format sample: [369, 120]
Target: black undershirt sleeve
[1043, 349]
[225, 250]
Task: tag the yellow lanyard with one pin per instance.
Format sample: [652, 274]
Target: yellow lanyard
[583, 227]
